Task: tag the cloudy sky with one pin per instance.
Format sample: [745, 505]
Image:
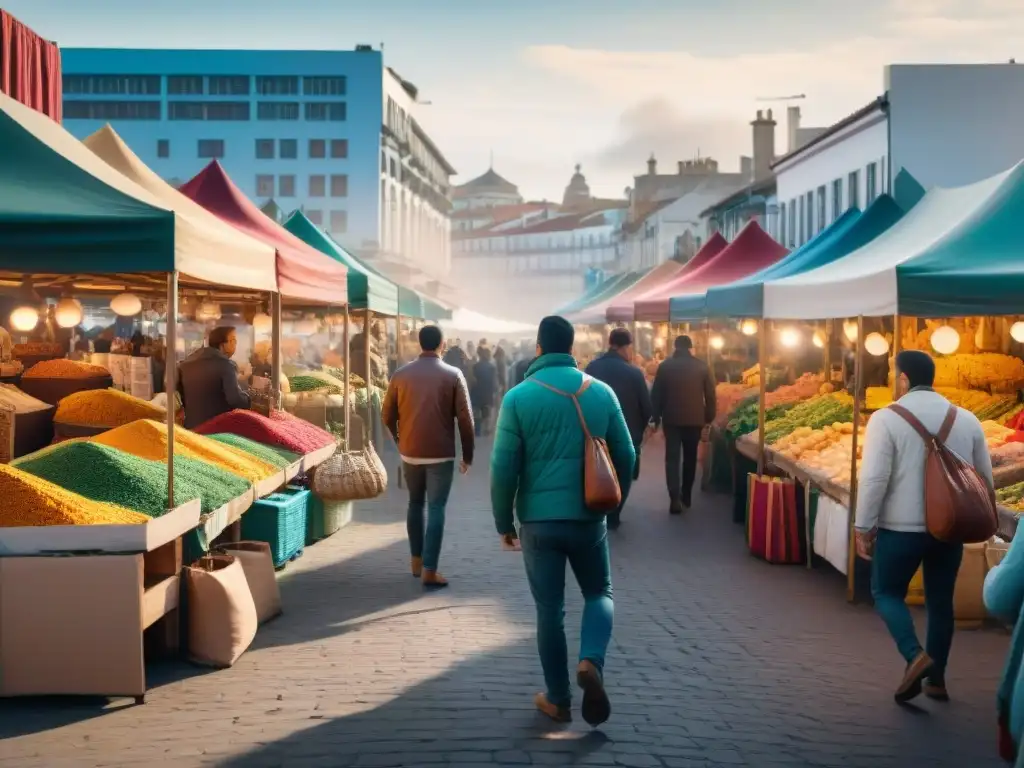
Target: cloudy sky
[544, 84]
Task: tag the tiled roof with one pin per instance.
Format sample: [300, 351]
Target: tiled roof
[562, 223]
[501, 212]
[644, 211]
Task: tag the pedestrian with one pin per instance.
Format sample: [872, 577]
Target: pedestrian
[537, 468]
[683, 399]
[455, 356]
[891, 526]
[630, 387]
[1004, 599]
[520, 370]
[483, 390]
[501, 369]
[425, 401]
[208, 381]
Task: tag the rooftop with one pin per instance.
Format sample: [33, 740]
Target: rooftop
[879, 104]
[489, 181]
[760, 187]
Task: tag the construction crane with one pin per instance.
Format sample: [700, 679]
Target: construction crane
[795, 97]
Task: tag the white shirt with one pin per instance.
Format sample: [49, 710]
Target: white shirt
[890, 493]
[420, 462]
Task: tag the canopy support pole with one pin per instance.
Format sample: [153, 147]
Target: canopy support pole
[762, 353]
[348, 375]
[171, 378]
[858, 374]
[398, 341]
[371, 426]
[275, 347]
[896, 344]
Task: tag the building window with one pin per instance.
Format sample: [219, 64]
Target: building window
[184, 85]
[317, 149]
[853, 190]
[277, 110]
[323, 86]
[331, 111]
[264, 149]
[211, 148]
[809, 221]
[317, 186]
[286, 186]
[793, 232]
[288, 149]
[339, 148]
[394, 168]
[229, 85]
[339, 185]
[871, 180]
[837, 198]
[782, 223]
[163, 148]
[339, 222]
[112, 110]
[264, 186]
[383, 163]
[208, 110]
[821, 207]
[277, 85]
[317, 217]
[133, 85]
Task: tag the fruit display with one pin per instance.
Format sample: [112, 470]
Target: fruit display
[727, 397]
[981, 404]
[1007, 454]
[1012, 496]
[988, 371]
[803, 388]
[877, 398]
[996, 434]
[804, 441]
[815, 413]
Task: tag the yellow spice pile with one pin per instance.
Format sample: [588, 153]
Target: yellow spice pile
[104, 407]
[64, 369]
[30, 501]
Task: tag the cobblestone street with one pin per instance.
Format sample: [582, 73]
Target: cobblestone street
[717, 660]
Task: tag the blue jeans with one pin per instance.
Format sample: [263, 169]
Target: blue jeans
[898, 554]
[429, 486]
[546, 549]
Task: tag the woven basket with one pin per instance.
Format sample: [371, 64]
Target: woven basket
[351, 476]
[995, 551]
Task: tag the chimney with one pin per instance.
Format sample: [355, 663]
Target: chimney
[652, 166]
[682, 167]
[793, 128]
[747, 168]
[764, 144]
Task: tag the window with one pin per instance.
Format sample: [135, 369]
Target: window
[286, 186]
[184, 85]
[332, 111]
[317, 185]
[163, 148]
[288, 149]
[317, 149]
[277, 110]
[782, 223]
[208, 110]
[809, 221]
[112, 110]
[821, 208]
[837, 198]
[793, 232]
[339, 222]
[264, 186]
[871, 180]
[339, 148]
[853, 190]
[383, 163]
[264, 149]
[323, 86]
[394, 168]
[339, 185]
[317, 217]
[277, 85]
[803, 216]
[229, 85]
[134, 85]
[211, 148]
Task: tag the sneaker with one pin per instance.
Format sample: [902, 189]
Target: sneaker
[556, 713]
[596, 707]
[917, 671]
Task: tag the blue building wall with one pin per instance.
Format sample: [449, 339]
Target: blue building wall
[362, 99]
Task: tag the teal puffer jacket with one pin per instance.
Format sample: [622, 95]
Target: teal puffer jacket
[537, 462]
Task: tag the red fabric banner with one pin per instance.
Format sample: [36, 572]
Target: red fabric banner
[30, 69]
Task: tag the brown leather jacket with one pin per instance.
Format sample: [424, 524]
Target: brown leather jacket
[683, 394]
[424, 400]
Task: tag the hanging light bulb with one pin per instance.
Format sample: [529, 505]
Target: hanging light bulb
[717, 342]
[790, 338]
[945, 340]
[24, 318]
[126, 304]
[1017, 331]
[208, 311]
[68, 313]
[262, 323]
[818, 339]
[876, 344]
[749, 327]
[850, 329]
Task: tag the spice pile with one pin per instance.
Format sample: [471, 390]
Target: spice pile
[20, 401]
[30, 501]
[148, 440]
[104, 408]
[281, 429]
[279, 457]
[65, 369]
[105, 474]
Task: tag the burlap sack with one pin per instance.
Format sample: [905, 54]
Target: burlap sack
[221, 612]
[258, 565]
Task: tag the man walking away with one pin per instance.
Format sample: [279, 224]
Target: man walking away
[683, 398]
[484, 389]
[520, 371]
[425, 400]
[537, 466]
[627, 381]
[891, 527]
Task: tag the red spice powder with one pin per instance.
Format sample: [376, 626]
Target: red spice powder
[282, 429]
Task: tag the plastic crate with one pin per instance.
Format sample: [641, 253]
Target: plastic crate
[325, 517]
[280, 520]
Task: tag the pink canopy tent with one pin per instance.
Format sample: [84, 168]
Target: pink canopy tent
[753, 249]
[622, 307]
[596, 314]
[302, 271]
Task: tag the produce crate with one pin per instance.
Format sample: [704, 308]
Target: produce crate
[325, 517]
[280, 520]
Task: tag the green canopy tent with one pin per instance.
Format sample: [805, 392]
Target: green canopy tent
[586, 298]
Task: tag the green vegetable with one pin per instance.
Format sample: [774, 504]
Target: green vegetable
[311, 384]
[815, 413]
[744, 417]
[271, 454]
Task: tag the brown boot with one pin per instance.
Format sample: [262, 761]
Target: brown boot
[596, 707]
[917, 670]
[433, 579]
[556, 713]
[417, 566]
[936, 691]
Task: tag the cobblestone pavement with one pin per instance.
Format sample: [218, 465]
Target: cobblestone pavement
[717, 660]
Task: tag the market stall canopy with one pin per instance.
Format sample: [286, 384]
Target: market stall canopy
[596, 314]
[624, 282]
[366, 288]
[411, 303]
[745, 298]
[752, 249]
[302, 272]
[587, 296]
[64, 210]
[624, 312]
[467, 321]
[217, 252]
[956, 239]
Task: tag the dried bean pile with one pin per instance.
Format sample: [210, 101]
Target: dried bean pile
[282, 429]
[29, 500]
[105, 408]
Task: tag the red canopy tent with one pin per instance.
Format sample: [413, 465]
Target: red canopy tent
[753, 249]
[30, 70]
[623, 312]
[302, 271]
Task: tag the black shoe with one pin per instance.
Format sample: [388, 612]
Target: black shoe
[676, 508]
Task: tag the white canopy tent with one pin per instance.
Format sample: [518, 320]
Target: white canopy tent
[466, 321]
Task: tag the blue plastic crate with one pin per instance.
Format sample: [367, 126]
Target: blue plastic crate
[280, 520]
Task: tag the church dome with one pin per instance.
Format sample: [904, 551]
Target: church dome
[578, 191]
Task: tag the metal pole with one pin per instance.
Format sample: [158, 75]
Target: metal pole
[276, 352]
[371, 427]
[398, 342]
[348, 374]
[858, 373]
[762, 354]
[896, 344]
[171, 378]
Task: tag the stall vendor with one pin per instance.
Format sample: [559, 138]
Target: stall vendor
[208, 380]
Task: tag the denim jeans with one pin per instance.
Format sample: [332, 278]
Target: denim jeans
[429, 486]
[898, 554]
[547, 547]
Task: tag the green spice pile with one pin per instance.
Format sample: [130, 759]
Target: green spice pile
[106, 474]
[271, 454]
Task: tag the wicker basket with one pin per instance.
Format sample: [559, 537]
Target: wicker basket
[326, 517]
[280, 520]
[995, 551]
[351, 476]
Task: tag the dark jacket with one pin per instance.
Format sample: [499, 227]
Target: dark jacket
[629, 385]
[683, 394]
[456, 358]
[519, 371]
[424, 401]
[485, 384]
[208, 383]
[501, 366]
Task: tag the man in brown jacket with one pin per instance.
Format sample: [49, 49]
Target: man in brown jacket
[683, 400]
[424, 401]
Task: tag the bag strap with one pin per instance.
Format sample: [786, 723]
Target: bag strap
[572, 396]
[912, 420]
